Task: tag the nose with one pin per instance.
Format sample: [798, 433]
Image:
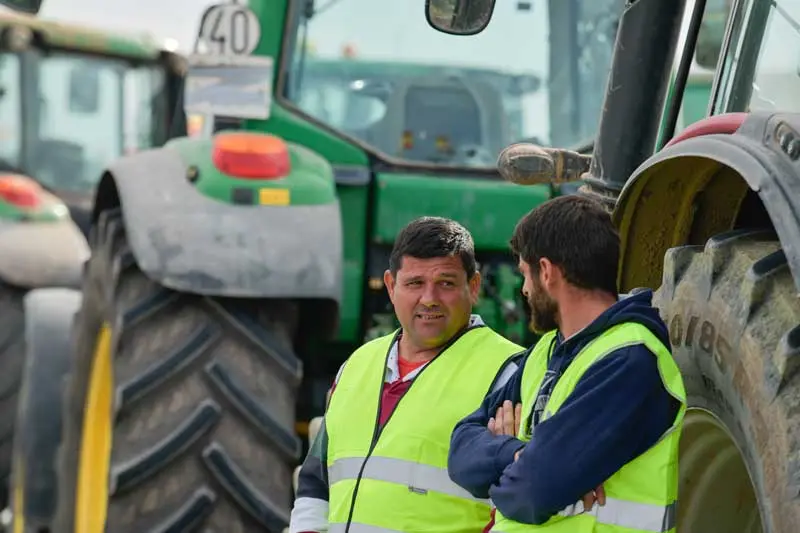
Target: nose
[429, 295]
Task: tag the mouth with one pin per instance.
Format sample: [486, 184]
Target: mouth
[429, 316]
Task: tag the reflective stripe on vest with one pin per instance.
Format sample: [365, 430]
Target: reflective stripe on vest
[631, 515]
[624, 514]
[641, 496]
[417, 477]
[398, 481]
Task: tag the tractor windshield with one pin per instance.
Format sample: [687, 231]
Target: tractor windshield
[377, 72]
[80, 113]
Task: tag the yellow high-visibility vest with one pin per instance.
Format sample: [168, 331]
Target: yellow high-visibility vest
[641, 497]
[396, 480]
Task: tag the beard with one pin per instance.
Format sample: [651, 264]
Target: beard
[544, 310]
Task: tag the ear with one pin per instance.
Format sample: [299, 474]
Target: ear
[547, 272]
[474, 287]
[388, 281]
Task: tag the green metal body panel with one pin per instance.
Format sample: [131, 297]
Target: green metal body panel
[309, 182]
[488, 209]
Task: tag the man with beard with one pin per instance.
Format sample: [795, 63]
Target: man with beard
[602, 400]
[379, 461]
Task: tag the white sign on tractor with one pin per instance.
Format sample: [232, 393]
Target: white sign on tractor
[224, 78]
[229, 86]
[228, 30]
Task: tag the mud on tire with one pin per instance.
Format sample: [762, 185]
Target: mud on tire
[734, 321]
[203, 417]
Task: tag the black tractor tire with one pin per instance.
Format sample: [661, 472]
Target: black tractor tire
[12, 359]
[37, 438]
[204, 402]
[734, 321]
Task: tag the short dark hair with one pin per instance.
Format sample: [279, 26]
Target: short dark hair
[430, 237]
[576, 234]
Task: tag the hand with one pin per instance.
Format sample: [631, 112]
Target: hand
[506, 420]
[597, 495]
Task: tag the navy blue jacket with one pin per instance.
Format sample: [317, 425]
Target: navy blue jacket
[617, 411]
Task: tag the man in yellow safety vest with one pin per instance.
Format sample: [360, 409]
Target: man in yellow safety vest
[379, 461]
[602, 400]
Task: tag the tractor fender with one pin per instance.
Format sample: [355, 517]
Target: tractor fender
[42, 254]
[690, 190]
[192, 243]
[48, 320]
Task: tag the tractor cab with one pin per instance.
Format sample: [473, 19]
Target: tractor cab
[74, 99]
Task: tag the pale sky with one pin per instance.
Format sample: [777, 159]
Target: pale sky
[176, 19]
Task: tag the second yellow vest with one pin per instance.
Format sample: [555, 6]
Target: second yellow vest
[641, 497]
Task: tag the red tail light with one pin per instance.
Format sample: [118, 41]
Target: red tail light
[20, 191]
[251, 155]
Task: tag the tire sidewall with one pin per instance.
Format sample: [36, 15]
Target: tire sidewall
[85, 330]
[704, 347]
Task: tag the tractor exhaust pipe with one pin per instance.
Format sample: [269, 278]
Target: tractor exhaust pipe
[635, 94]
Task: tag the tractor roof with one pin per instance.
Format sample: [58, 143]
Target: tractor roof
[83, 38]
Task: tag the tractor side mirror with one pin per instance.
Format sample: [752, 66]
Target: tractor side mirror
[84, 89]
[530, 164]
[24, 6]
[459, 17]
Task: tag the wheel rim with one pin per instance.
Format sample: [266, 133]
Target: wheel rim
[95, 453]
[716, 492]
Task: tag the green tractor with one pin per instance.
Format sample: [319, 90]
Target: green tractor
[708, 219]
[233, 270]
[72, 99]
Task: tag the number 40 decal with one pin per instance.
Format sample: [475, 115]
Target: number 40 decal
[229, 29]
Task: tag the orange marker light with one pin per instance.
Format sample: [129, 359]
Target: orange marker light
[20, 191]
[250, 155]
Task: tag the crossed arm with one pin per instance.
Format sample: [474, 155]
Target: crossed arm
[618, 409]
